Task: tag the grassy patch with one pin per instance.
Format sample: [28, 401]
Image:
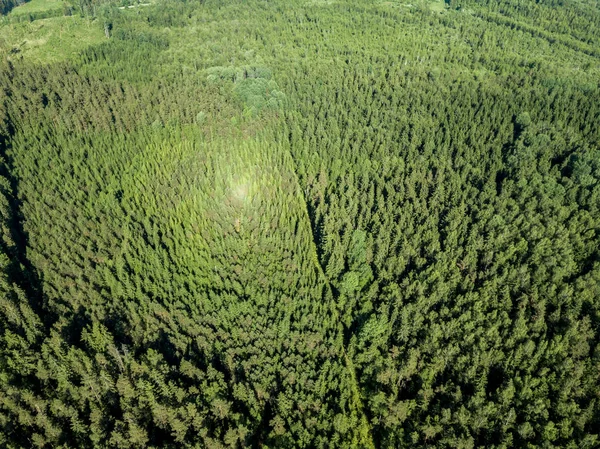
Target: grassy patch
[437, 6]
[37, 6]
[49, 40]
[432, 5]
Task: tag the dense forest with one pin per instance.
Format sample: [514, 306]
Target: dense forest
[300, 224]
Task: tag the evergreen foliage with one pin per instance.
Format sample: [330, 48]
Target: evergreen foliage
[304, 224]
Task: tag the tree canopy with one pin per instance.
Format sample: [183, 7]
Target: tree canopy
[300, 224]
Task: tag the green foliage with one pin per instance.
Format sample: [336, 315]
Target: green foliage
[252, 85]
[301, 224]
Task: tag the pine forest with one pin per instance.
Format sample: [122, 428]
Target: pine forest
[232, 224]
